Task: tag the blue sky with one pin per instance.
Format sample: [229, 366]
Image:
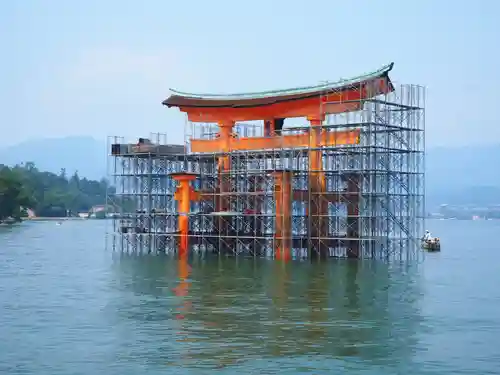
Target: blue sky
[103, 67]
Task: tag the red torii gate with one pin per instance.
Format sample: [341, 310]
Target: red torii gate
[273, 107]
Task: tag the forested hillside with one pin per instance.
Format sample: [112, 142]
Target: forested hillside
[47, 193]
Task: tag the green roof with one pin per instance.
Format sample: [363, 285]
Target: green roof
[297, 90]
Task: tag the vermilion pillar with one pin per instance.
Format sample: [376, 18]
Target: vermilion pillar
[283, 227]
[184, 195]
[315, 160]
[318, 209]
[268, 127]
[225, 136]
[223, 200]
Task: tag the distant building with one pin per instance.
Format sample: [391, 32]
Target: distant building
[98, 208]
[100, 211]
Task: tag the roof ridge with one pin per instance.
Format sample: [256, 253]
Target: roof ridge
[301, 89]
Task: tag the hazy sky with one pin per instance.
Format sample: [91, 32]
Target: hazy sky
[102, 67]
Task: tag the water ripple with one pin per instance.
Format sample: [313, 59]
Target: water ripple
[68, 307]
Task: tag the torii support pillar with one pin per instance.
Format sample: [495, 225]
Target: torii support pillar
[318, 204]
[184, 195]
[223, 203]
[283, 226]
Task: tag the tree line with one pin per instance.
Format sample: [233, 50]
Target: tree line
[48, 194]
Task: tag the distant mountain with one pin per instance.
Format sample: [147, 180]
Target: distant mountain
[83, 154]
[462, 175]
[469, 166]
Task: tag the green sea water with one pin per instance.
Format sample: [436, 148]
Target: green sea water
[69, 306]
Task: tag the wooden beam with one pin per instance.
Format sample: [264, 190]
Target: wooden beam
[327, 138]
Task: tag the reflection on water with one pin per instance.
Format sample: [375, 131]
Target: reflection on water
[223, 312]
[68, 307]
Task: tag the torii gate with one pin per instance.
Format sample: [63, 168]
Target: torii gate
[313, 102]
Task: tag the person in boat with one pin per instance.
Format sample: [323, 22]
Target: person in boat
[427, 236]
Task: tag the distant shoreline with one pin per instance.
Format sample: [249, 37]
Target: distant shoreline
[71, 218]
[41, 218]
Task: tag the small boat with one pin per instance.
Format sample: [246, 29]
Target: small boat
[432, 244]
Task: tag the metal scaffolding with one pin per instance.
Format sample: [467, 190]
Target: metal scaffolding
[362, 200]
